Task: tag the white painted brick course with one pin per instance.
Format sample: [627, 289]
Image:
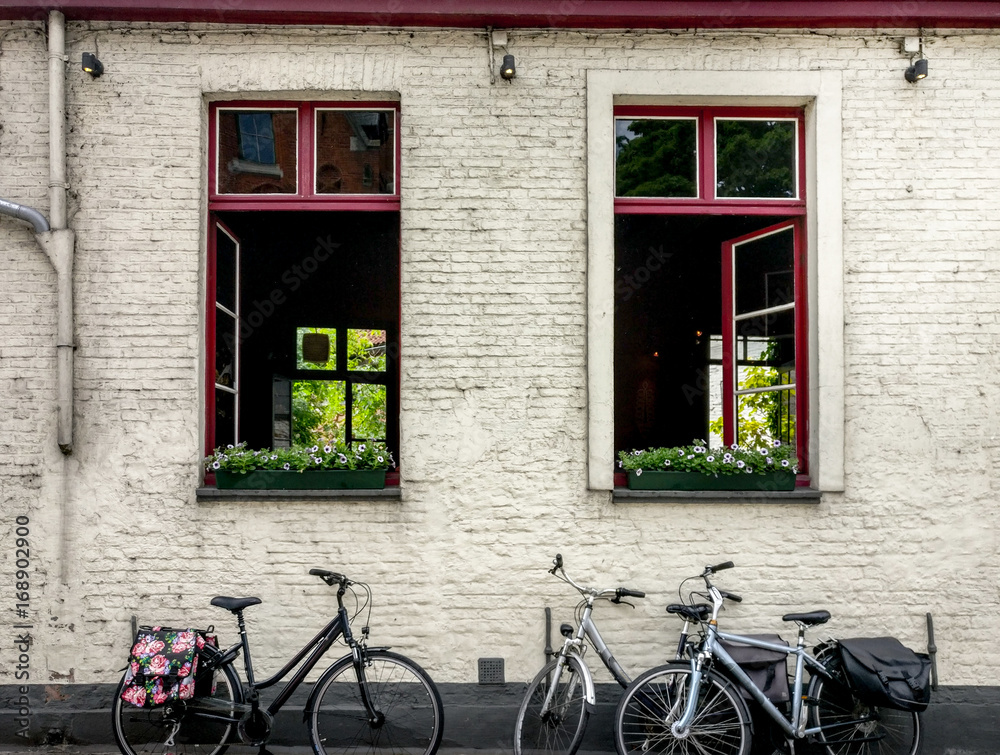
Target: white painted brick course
[494, 395]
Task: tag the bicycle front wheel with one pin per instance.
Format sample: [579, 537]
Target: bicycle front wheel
[558, 729]
[656, 699]
[199, 726]
[408, 715]
[851, 727]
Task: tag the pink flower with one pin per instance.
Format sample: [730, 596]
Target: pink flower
[185, 670]
[135, 695]
[158, 665]
[159, 698]
[153, 647]
[182, 642]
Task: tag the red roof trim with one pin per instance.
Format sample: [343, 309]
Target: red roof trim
[647, 14]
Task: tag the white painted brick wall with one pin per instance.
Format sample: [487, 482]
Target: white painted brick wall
[493, 356]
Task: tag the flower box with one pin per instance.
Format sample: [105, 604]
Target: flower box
[317, 479]
[655, 480]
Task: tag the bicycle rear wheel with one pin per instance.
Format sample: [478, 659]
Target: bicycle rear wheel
[656, 699]
[559, 729]
[146, 731]
[412, 717]
[851, 727]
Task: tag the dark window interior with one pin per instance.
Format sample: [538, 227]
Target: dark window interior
[334, 270]
[668, 306]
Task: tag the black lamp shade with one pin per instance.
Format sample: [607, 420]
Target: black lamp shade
[917, 71]
[92, 65]
[507, 69]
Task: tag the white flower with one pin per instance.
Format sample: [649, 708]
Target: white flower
[287, 466]
[734, 446]
[740, 464]
[690, 456]
[343, 459]
[770, 460]
[361, 448]
[699, 449]
[314, 449]
[666, 463]
[380, 459]
[327, 448]
[637, 452]
[638, 472]
[216, 465]
[709, 458]
[230, 445]
[784, 462]
[680, 451]
[763, 451]
[777, 443]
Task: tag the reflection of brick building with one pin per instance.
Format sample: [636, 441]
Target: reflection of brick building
[354, 152]
[238, 175]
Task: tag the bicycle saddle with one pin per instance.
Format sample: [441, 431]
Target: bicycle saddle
[810, 619]
[234, 604]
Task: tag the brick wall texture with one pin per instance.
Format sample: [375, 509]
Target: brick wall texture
[494, 393]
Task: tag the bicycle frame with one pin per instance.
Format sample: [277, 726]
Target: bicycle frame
[795, 725]
[575, 645]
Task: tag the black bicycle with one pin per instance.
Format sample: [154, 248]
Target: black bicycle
[369, 701]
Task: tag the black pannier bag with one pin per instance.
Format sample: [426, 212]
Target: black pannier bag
[885, 673]
[766, 668]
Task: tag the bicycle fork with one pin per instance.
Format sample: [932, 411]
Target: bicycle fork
[375, 717]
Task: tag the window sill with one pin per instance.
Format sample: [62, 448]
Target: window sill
[209, 495]
[799, 495]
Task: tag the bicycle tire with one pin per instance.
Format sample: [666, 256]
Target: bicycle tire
[559, 731]
[853, 727]
[656, 699]
[399, 688]
[144, 731]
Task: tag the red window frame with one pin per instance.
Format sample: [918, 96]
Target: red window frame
[706, 203]
[305, 198]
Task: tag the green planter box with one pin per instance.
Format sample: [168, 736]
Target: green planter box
[698, 481]
[320, 479]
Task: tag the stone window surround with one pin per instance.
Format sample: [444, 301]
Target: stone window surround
[819, 93]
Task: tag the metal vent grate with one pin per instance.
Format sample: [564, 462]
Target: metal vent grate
[491, 671]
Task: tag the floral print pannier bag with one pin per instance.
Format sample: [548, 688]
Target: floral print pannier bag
[163, 665]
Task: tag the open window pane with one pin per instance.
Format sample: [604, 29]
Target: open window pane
[767, 416]
[368, 411]
[226, 270]
[225, 418]
[257, 151]
[319, 411]
[366, 350]
[656, 157]
[355, 152]
[225, 349]
[755, 159]
[765, 272]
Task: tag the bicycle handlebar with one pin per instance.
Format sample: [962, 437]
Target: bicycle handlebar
[331, 577]
[719, 567]
[617, 592]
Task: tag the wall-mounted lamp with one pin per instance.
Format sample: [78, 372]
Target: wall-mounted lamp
[917, 70]
[92, 65]
[507, 69]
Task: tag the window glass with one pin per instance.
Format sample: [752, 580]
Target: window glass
[656, 157]
[225, 270]
[257, 151]
[316, 348]
[366, 350]
[355, 152]
[318, 411]
[368, 415]
[755, 158]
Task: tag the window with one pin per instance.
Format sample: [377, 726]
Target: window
[709, 290]
[303, 315]
[704, 220]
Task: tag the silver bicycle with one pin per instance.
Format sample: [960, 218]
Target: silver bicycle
[560, 699]
[696, 707]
